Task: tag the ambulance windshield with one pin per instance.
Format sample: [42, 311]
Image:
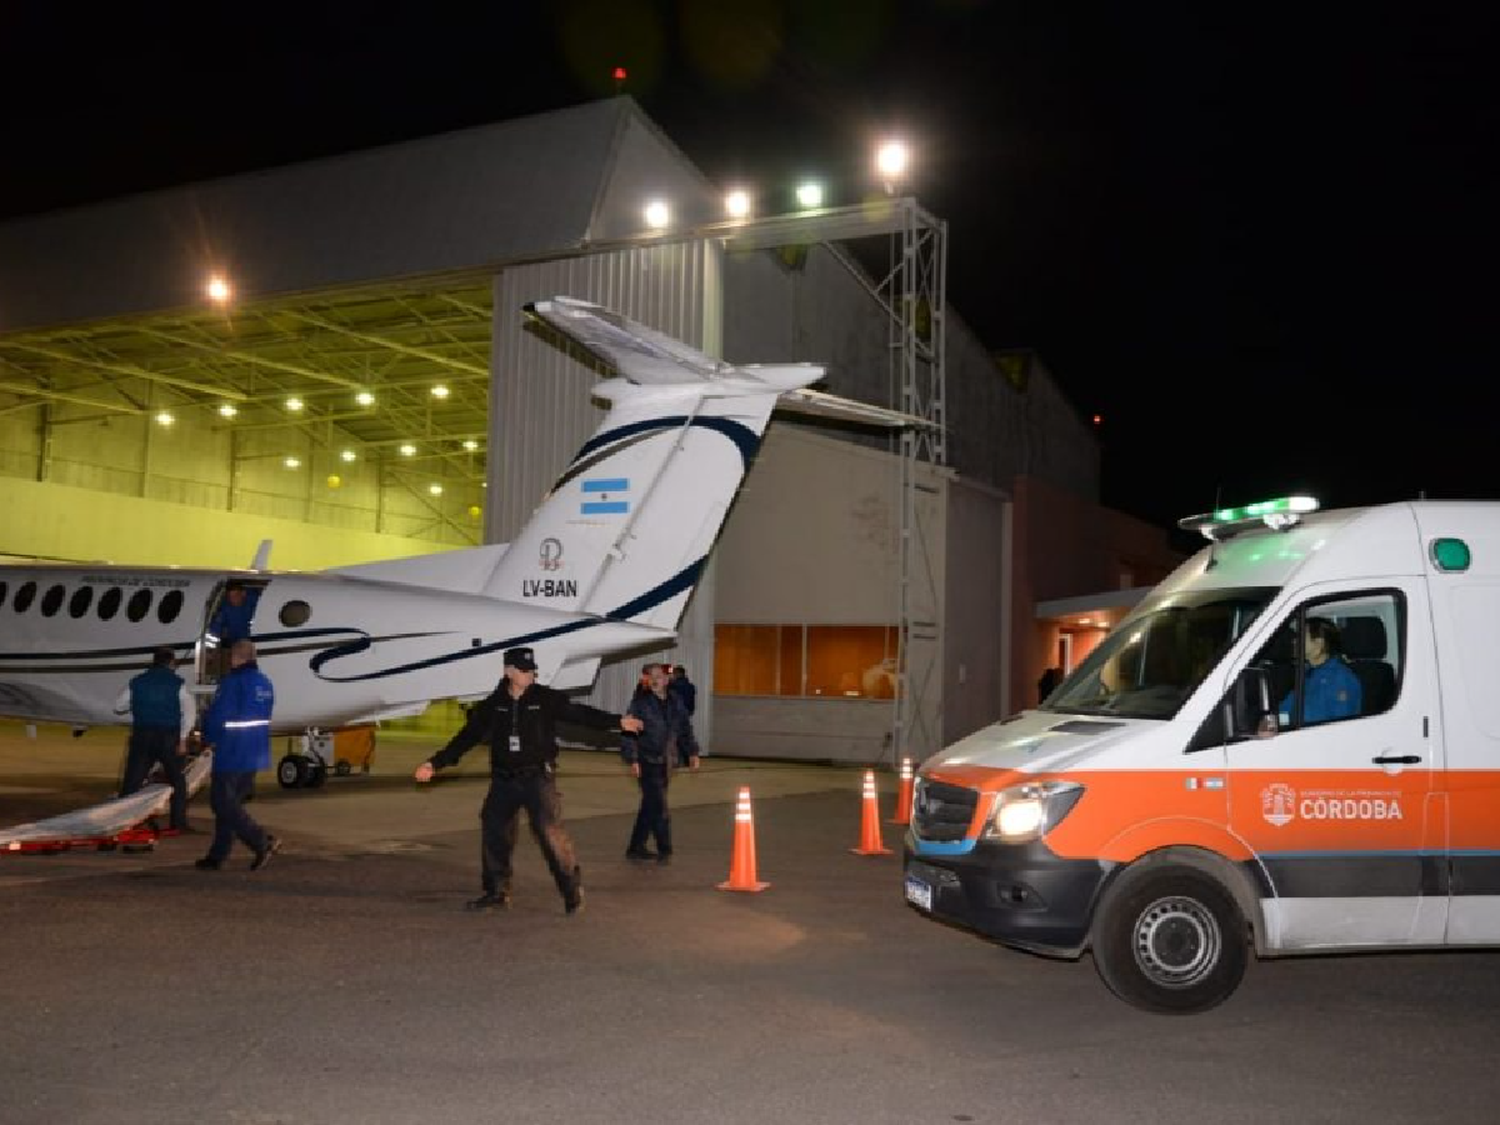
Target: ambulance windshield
[1149, 666]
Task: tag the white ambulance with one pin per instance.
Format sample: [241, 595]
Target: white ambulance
[1292, 746]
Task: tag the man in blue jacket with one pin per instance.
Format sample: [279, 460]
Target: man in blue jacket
[238, 726]
[665, 741]
[233, 620]
[161, 717]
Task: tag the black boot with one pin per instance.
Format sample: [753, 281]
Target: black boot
[490, 900]
[573, 900]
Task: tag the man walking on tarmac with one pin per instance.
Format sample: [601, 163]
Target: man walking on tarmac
[665, 742]
[238, 726]
[517, 720]
[161, 717]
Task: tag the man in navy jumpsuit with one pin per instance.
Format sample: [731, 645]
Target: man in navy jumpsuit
[238, 726]
[517, 720]
[665, 741]
[161, 717]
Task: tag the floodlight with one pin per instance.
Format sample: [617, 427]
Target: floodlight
[810, 194]
[471, 445]
[165, 418]
[228, 410]
[348, 455]
[292, 463]
[435, 489]
[440, 391]
[737, 204]
[891, 160]
[658, 215]
[218, 290]
[365, 398]
[294, 404]
[408, 450]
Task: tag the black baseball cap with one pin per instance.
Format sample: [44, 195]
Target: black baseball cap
[522, 659]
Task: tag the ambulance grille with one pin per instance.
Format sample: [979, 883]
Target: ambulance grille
[942, 812]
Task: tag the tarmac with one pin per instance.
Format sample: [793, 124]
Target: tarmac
[344, 983]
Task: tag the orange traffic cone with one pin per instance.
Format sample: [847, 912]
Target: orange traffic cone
[903, 799]
[869, 841]
[742, 864]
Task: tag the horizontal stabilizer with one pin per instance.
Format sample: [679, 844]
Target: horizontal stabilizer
[823, 405]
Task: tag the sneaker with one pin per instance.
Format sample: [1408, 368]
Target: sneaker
[490, 900]
[573, 903]
[208, 863]
[645, 855]
[263, 857]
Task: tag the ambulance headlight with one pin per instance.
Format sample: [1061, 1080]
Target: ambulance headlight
[1026, 812]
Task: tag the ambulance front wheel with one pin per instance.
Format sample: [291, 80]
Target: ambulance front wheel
[1170, 939]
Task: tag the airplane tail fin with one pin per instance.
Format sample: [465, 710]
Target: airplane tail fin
[626, 530]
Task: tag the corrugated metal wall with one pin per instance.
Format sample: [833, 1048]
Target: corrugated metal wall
[541, 412]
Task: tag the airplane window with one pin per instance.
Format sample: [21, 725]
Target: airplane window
[25, 595]
[52, 600]
[109, 603]
[140, 605]
[2, 593]
[79, 603]
[295, 613]
[170, 607]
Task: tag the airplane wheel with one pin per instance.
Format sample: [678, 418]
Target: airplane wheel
[316, 776]
[292, 772]
[342, 768]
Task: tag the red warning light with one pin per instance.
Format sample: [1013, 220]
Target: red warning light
[1098, 419]
[620, 77]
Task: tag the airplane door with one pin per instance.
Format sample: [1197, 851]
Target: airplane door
[211, 655]
[1344, 803]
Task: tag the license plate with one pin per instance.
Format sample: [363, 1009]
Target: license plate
[918, 893]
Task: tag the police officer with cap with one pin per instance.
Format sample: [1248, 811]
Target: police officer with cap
[517, 720]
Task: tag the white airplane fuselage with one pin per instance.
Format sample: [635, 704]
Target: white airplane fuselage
[359, 651]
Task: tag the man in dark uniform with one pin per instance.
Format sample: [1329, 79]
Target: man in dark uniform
[161, 717]
[518, 722]
[684, 688]
[666, 742]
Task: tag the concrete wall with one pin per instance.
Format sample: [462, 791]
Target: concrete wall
[1067, 547]
[815, 540]
[976, 627]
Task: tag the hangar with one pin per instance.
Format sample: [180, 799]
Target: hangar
[331, 355]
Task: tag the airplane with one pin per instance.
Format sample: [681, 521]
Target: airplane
[604, 568]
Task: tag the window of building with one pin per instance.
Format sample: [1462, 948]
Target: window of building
[814, 661]
[25, 595]
[79, 603]
[139, 605]
[109, 603]
[169, 607]
[52, 600]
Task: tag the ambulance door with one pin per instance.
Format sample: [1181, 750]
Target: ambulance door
[1341, 798]
[1465, 587]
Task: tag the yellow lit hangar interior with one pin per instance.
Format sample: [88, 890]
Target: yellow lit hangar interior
[333, 356]
[361, 412]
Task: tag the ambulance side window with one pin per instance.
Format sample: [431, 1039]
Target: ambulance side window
[1337, 659]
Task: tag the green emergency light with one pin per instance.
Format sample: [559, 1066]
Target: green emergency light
[1278, 514]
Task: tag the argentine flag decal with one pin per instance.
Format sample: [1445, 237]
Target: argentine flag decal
[605, 497]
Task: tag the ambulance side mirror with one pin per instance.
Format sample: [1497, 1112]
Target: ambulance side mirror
[1250, 710]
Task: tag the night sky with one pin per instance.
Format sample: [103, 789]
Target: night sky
[1253, 238]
